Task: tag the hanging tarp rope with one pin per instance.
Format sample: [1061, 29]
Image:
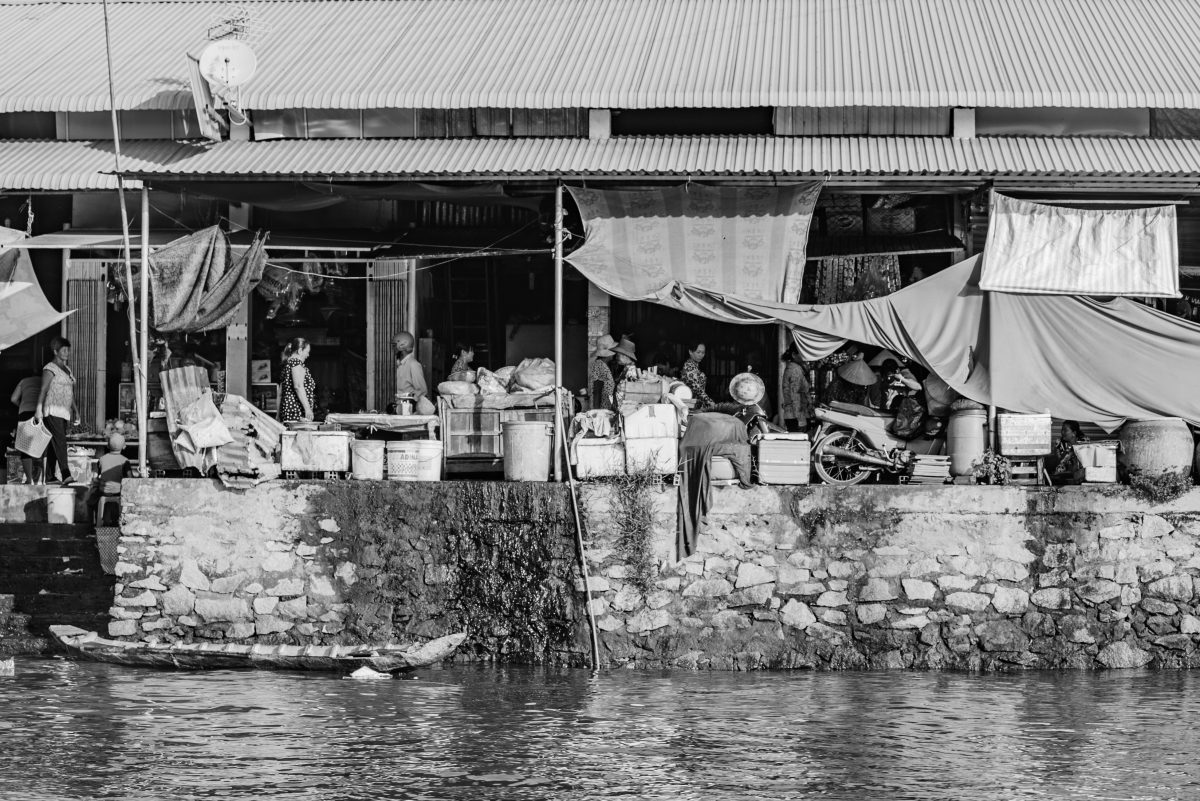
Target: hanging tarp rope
[666, 245]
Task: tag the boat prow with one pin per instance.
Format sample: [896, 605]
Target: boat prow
[389, 657]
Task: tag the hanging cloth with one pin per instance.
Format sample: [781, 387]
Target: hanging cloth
[197, 285]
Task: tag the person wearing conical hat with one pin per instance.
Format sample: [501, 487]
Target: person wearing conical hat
[601, 386]
[852, 382]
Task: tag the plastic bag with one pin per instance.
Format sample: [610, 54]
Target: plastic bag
[504, 374]
[910, 418]
[488, 383]
[533, 374]
[203, 423]
[457, 388]
[462, 375]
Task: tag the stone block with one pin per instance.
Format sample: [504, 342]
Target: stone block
[955, 583]
[834, 617]
[1156, 607]
[318, 587]
[1156, 570]
[306, 629]
[889, 567]
[597, 606]
[240, 631]
[659, 599]
[1189, 624]
[670, 584]
[1005, 570]
[144, 598]
[1131, 596]
[749, 575]
[1001, 635]
[911, 622]
[214, 608]
[122, 628]
[796, 614]
[757, 595]
[151, 583]
[253, 588]
[278, 562]
[969, 601]
[1010, 600]
[647, 620]
[918, 589]
[787, 575]
[305, 550]
[870, 613]
[1153, 526]
[1098, 591]
[434, 574]
[330, 525]
[178, 600]
[125, 612]
[1120, 655]
[347, 573]
[270, 624]
[803, 560]
[1054, 598]
[287, 586]
[708, 588]
[627, 599]
[296, 608]
[878, 589]
[189, 621]
[1175, 588]
[831, 598]
[841, 569]
[729, 619]
[717, 564]
[838, 585]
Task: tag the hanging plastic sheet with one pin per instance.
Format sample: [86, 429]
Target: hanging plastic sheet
[24, 310]
[666, 245]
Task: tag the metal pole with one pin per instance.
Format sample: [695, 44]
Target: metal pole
[558, 319]
[136, 354]
[144, 336]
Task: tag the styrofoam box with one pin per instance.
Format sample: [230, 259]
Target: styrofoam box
[784, 459]
[599, 457]
[1099, 461]
[316, 451]
[652, 420]
[1024, 434]
[657, 454]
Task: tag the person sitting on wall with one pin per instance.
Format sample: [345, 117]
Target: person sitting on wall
[1064, 465]
[112, 467]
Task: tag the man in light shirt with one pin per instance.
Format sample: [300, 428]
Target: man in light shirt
[410, 377]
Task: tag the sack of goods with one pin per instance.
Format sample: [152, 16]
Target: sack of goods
[488, 383]
[457, 388]
[532, 375]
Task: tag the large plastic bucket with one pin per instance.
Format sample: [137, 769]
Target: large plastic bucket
[527, 449]
[414, 460]
[367, 459]
[966, 439]
[60, 505]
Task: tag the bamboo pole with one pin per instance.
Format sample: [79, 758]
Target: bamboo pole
[137, 353]
[144, 337]
[583, 568]
[558, 318]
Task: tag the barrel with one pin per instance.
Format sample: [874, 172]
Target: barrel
[966, 439]
[367, 459]
[414, 460]
[60, 505]
[527, 450]
[1156, 446]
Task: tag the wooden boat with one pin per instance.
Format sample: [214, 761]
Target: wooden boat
[88, 645]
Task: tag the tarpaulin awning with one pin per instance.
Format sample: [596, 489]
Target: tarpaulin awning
[666, 245]
[1036, 248]
[24, 310]
[1075, 357]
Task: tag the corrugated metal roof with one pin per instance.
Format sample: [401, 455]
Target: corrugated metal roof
[621, 53]
[65, 166]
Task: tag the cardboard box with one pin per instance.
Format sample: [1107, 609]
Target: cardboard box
[651, 420]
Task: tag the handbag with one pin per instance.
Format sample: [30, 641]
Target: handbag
[32, 438]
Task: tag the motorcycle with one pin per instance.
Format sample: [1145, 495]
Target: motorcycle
[853, 443]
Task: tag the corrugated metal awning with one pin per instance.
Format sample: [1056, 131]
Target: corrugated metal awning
[1174, 163]
[621, 54]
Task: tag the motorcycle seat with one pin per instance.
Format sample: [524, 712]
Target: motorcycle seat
[854, 408]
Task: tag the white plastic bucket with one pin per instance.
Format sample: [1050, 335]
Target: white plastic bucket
[527, 450]
[60, 505]
[414, 460]
[367, 455]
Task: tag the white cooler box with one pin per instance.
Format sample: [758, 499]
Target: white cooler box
[317, 451]
[657, 454]
[599, 457]
[651, 420]
[784, 459]
[1099, 461]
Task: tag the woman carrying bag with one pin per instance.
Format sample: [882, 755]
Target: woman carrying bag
[56, 406]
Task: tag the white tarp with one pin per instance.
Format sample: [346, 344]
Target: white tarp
[24, 310]
[1050, 250]
[737, 242]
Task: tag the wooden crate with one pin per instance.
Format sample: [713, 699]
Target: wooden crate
[1026, 471]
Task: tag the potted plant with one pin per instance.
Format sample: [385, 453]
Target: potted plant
[991, 468]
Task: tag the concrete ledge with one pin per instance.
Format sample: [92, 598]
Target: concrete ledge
[26, 503]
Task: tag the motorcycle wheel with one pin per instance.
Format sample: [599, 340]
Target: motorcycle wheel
[840, 471]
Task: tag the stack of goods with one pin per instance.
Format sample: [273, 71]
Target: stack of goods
[651, 439]
[929, 469]
[530, 377]
[249, 459]
[597, 449]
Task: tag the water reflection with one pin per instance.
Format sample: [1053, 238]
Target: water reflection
[89, 731]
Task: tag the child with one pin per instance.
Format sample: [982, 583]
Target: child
[113, 466]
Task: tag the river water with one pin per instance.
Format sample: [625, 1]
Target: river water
[72, 731]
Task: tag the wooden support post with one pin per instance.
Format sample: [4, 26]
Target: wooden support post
[143, 340]
[558, 319]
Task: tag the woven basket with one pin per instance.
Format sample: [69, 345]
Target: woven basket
[32, 438]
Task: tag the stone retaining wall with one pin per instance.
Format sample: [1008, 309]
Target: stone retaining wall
[830, 578]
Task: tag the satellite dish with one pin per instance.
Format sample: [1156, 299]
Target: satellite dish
[228, 62]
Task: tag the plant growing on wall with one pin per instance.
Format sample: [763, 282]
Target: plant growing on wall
[634, 511]
[1162, 488]
[992, 468]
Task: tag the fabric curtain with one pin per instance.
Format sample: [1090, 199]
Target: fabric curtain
[1035, 248]
[676, 244]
